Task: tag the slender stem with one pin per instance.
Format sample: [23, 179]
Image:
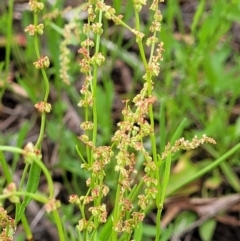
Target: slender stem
[41, 132]
[26, 227]
[95, 71]
[47, 88]
[48, 177]
[37, 197]
[46, 85]
[36, 46]
[158, 225]
[116, 211]
[12, 149]
[152, 49]
[59, 225]
[151, 116]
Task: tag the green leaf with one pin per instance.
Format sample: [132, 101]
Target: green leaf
[138, 232]
[206, 230]
[184, 220]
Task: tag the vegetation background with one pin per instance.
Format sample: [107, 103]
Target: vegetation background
[198, 87]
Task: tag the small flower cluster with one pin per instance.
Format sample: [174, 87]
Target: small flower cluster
[7, 226]
[41, 63]
[52, 205]
[183, 144]
[56, 13]
[97, 190]
[87, 61]
[43, 107]
[11, 188]
[65, 51]
[31, 152]
[138, 4]
[129, 224]
[99, 212]
[30, 149]
[32, 29]
[130, 135]
[109, 12]
[36, 6]
[101, 155]
[154, 63]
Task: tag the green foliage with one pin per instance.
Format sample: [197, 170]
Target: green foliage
[207, 229]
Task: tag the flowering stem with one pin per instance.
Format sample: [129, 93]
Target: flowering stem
[95, 71]
[204, 170]
[43, 116]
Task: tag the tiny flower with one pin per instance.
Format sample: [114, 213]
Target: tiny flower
[43, 62]
[84, 224]
[94, 211]
[105, 190]
[138, 34]
[43, 107]
[11, 188]
[31, 29]
[98, 59]
[138, 217]
[151, 40]
[97, 28]
[36, 6]
[29, 147]
[138, 7]
[40, 28]
[103, 217]
[74, 199]
[86, 125]
[81, 224]
[143, 201]
[52, 205]
[87, 43]
[117, 19]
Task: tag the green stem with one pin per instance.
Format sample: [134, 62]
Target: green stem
[48, 177]
[36, 46]
[116, 212]
[12, 149]
[142, 53]
[41, 132]
[26, 227]
[47, 87]
[59, 225]
[37, 197]
[158, 225]
[95, 71]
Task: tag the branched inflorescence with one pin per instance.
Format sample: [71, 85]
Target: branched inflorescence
[137, 124]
